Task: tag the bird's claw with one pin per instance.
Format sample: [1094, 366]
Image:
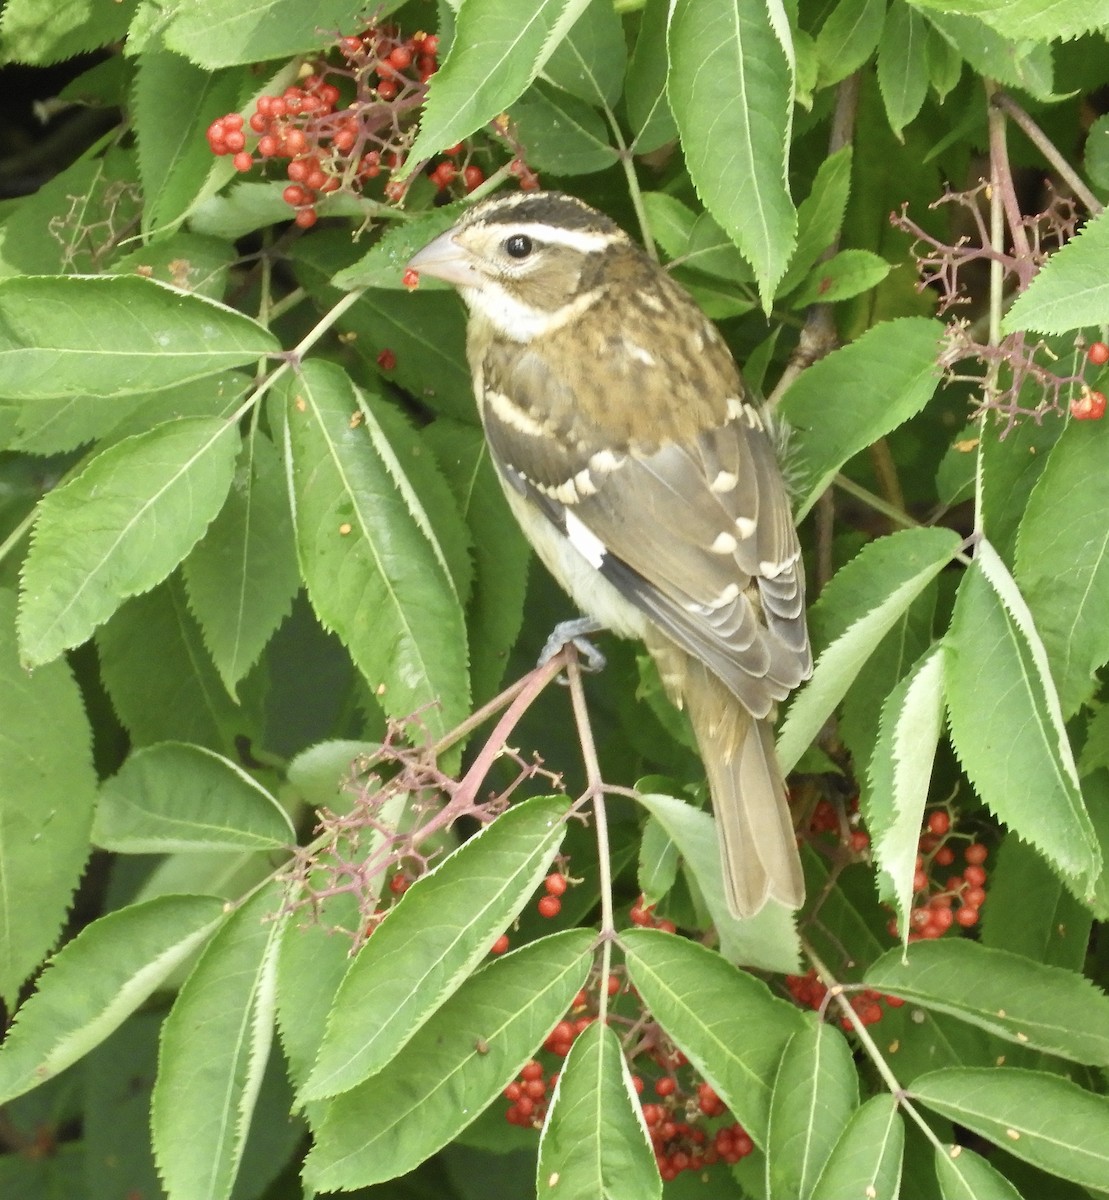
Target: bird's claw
[572, 633]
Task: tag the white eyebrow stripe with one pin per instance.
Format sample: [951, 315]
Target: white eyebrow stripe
[586, 240]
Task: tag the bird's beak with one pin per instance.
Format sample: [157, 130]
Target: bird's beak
[445, 259]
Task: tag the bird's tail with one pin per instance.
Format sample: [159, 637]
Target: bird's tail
[757, 842]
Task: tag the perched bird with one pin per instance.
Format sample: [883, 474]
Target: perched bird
[648, 482]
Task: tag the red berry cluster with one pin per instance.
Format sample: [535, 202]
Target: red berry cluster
[807, 990]
[643, 914]
[1088, 405]
[676, 1127]
[957, 900]
[330, 145]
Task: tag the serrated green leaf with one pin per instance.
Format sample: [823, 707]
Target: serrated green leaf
[769, 938]
[453, 1066]
[175, 797]
[964, 1175]
[1069, 290]
[996, 55]
[594, 1141]
[1096, 152]
[562, 133]
[658, 860]
[1046, 1008]
[649, 113]
[900, 775]
[184, 699]
[1063, 561]
[1005, 721]
[115, 335]
[819, 216]
[214, 1047]
[31, 34]
[1031, 912]
[727, 60]
[96, 981]
[384, 263]
[903, 76]
[501, 554]
[366, 549]
[242, 575]
[452, 916]
[815, 1092]
[858, 608]
[499, 47]
[47, 794]
[889, 373]
[1029, 19]
[848, 38]
[844, 275]
[119, 527]
[589, 61]
[866, 1161]
[1043, 1119]
[726, 1022]
[224, 33]
[174, 103]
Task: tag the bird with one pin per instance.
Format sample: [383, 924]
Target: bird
[647, 478]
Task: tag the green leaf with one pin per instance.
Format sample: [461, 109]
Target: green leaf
[767, 940]
[1014, 997]
[562, 133]
[1070, 290]
[589, 61]
[858, 608]
[452, 1067]
[964, 1175]
[115, 335]
[889, 374]
[184, 699]
[1096, 152]
[1029, 19]
[366, 547]
[1063, 561]
[844, 275]
[996, 56]
[214, 1047]
[119, 527]
[848, 38]
[815, 1093]
[1006, 725]
[499, 48]
[727, 60]
[819, 216]
[501, 554]
[594, 1141]
[1031, 912]
[174, 797]
[726, 1022]
[174, 103]
[47, 794]
[224, 33]
[649, 113]
[384, 264]
[866, 1161]
[242, 575]
[1043, 1119]
[900, 775]
[96, 981]
[32, 34]
[453, 915]
[903, 75]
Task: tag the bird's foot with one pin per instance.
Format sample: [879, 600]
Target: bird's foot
[572, 633]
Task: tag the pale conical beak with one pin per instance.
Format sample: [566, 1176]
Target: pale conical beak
[445, 259]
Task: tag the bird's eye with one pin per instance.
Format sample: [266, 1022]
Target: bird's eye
[519, 245]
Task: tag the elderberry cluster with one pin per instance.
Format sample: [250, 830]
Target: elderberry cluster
[956, 900]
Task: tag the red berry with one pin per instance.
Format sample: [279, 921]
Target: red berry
[944, 856]
[294, 195]
[531, 1070]
[1097, 406]
[473, 177]
[344, 140]
[975, 853]
[1098, 354]
[243, 161]
[967, 916]
[549, 906]
[939, 822]
[387, 360]
[975, 875]
[974, 897]
[306, 218]
[350, 46]
[234, 140]
[500, 945]
[400, 57]
[555, 883]
[665, 1086]
[411, 278]
[387, 89]
[444, 175]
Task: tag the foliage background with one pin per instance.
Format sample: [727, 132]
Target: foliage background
[247, 520]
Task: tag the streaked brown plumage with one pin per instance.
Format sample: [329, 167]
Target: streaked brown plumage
[649, 485]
